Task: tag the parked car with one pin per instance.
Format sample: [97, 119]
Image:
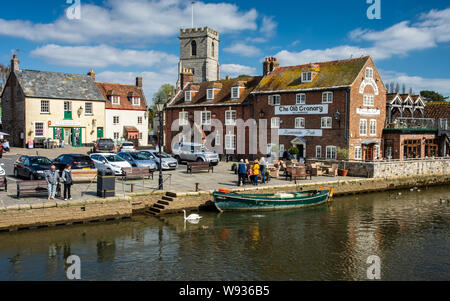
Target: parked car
[168, 162]
[138, 160]
[2, 170]
[127, 146]
[104, 146]
[31, 167]
[187, 151]
[110, 161]
[78, 161]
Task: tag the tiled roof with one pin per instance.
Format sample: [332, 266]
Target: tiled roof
[130, 129]
[223, 96]
[437, 109]
[123, 91]
[331, 74]
[45, 84]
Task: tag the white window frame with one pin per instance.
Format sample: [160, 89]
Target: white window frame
[35, 129]
[369, 100]
[376, 151]
[116, 135]
[331, 152]
[183, 118]
[140, 135]
[114, 120]
[275, 123]
[48, 106]
[207, 120]
[139, 120]
[318, 151]
[235, 92]
[210, 94]
[230, 142]
[327, 97]
[300, 99]
[188, 96]
[326, 122]
[363, 127]
[115, 99]
[369, 72]
[307, 77]
[67, 106]
[218, 139]
[299, 122]
[281, 150]
[86, 111]
[373, 127]
[136, 101]
[272, 100]
[358, 153]
[232, 120]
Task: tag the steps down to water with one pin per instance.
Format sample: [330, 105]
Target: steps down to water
[161, 205]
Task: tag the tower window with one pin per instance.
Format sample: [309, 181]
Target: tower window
[212, 50]
[194, 48]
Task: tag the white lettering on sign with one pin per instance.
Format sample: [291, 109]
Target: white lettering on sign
[67, 123]
[301, 110]
[300, 132]
[367, 111]
[368, 82]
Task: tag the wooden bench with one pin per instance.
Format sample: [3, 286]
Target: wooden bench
[3, 183]
[194, 166]
[298, 172]
[136, 173]
[84, 175]
[35, 187]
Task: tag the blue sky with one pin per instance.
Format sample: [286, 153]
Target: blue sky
[124, 39]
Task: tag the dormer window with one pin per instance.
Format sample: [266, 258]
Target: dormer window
[136, 101]
[369, 72]
[235, 93]
[307, 77]
[210, 94]
[187, 96]
[115, 100]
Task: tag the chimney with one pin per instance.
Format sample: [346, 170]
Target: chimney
[139, 82]
[227, 77]
[186, 76]
[15, 64]
[269, 65]
[91, 73]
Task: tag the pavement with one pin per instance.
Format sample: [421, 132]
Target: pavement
[175, 181]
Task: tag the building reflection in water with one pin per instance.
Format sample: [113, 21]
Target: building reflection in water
[106, 250]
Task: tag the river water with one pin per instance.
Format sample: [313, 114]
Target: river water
[408, 231]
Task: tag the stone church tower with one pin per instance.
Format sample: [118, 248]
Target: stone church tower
[199, 53]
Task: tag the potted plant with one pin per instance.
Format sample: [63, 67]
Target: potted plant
[267, 176]
[342, 154]
[294, 151]
[234, 167]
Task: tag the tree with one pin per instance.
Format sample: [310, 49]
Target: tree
[391, 87]
[432, 96]
[397, 88]
[4, 73]
[403, 89]
[164, 93]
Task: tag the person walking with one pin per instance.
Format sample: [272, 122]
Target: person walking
[242, 172]
[67, 180]
[6, 146]
[52, 179]
[249, 173]
[255, 173]
[263, 168]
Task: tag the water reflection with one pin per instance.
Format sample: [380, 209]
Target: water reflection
[409, 232]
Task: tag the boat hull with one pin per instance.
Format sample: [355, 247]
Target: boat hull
[241, 202]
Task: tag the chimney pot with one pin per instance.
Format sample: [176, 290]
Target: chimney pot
[139, 82]
[91, 73]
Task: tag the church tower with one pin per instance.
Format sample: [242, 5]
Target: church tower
[199, 52]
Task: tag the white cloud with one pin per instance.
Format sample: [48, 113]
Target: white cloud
[243, 50]
[134, 20]
[268, 27]
[256, 40]
[417, 83]
[101, 56]
[151, 81]
[235, 70]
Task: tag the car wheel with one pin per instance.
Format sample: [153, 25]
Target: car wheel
[178, 159]
[200, 160]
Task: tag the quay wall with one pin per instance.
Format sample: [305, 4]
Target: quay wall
[21, 217]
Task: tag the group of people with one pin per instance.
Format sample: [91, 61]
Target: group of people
[252, 172]
[52, 177]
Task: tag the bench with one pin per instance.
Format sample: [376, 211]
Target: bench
[194, 166]
[297, 172]
[35, 187]
[136, 173]
[84, 175]
[38, 143]
[3, 183]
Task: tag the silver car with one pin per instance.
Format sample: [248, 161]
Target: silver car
[168, 162]
[137, 159]
[195, 152]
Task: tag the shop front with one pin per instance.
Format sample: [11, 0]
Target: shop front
[71, 132]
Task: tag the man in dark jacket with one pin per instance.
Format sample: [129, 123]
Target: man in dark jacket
[67, 180]
[242, 172]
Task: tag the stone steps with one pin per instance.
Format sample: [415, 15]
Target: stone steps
[161, 205]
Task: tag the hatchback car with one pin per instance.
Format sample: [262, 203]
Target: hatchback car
[77, 161]
[138, 160]
[168, 162]
[110, 161]
[104, 146]
[31, 167]
[127, 147]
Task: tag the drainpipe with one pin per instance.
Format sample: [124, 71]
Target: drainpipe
[346, 116]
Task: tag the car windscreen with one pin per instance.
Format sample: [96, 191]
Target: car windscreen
[106, 142]
[163, 155]
[114, 158]
[40, 161]
[82, 159]
[140, 156]
[127, 144]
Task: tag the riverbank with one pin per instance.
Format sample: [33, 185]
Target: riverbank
[21, 217]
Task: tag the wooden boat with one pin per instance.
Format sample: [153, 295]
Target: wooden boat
[227, 201]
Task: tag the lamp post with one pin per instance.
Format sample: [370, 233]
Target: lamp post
[160, 108]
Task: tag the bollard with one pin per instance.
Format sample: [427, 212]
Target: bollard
[196, 187]
[132, 187]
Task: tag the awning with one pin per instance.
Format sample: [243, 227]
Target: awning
[131, 129]
[369, 142]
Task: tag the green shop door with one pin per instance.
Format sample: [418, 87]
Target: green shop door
[99, 133]
[76, 137]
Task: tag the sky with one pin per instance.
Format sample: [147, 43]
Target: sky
[119, 40]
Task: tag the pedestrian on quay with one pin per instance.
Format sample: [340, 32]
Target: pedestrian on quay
[67, 180]
[52, 178]
[255, 173]
[263, 168]
[242, 172]
[249, 173]
[6, 146]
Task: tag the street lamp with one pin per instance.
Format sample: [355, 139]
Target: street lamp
[160, 108]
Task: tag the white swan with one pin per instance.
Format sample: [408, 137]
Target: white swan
[191, 217]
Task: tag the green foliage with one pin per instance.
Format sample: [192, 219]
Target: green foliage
[164, 93]
[294, 150]
[342, 153]
[432, 96]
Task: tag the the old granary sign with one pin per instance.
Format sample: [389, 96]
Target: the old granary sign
[300, 132]
[301, 110]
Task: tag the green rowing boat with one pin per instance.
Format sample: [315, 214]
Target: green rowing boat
[226, 201]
